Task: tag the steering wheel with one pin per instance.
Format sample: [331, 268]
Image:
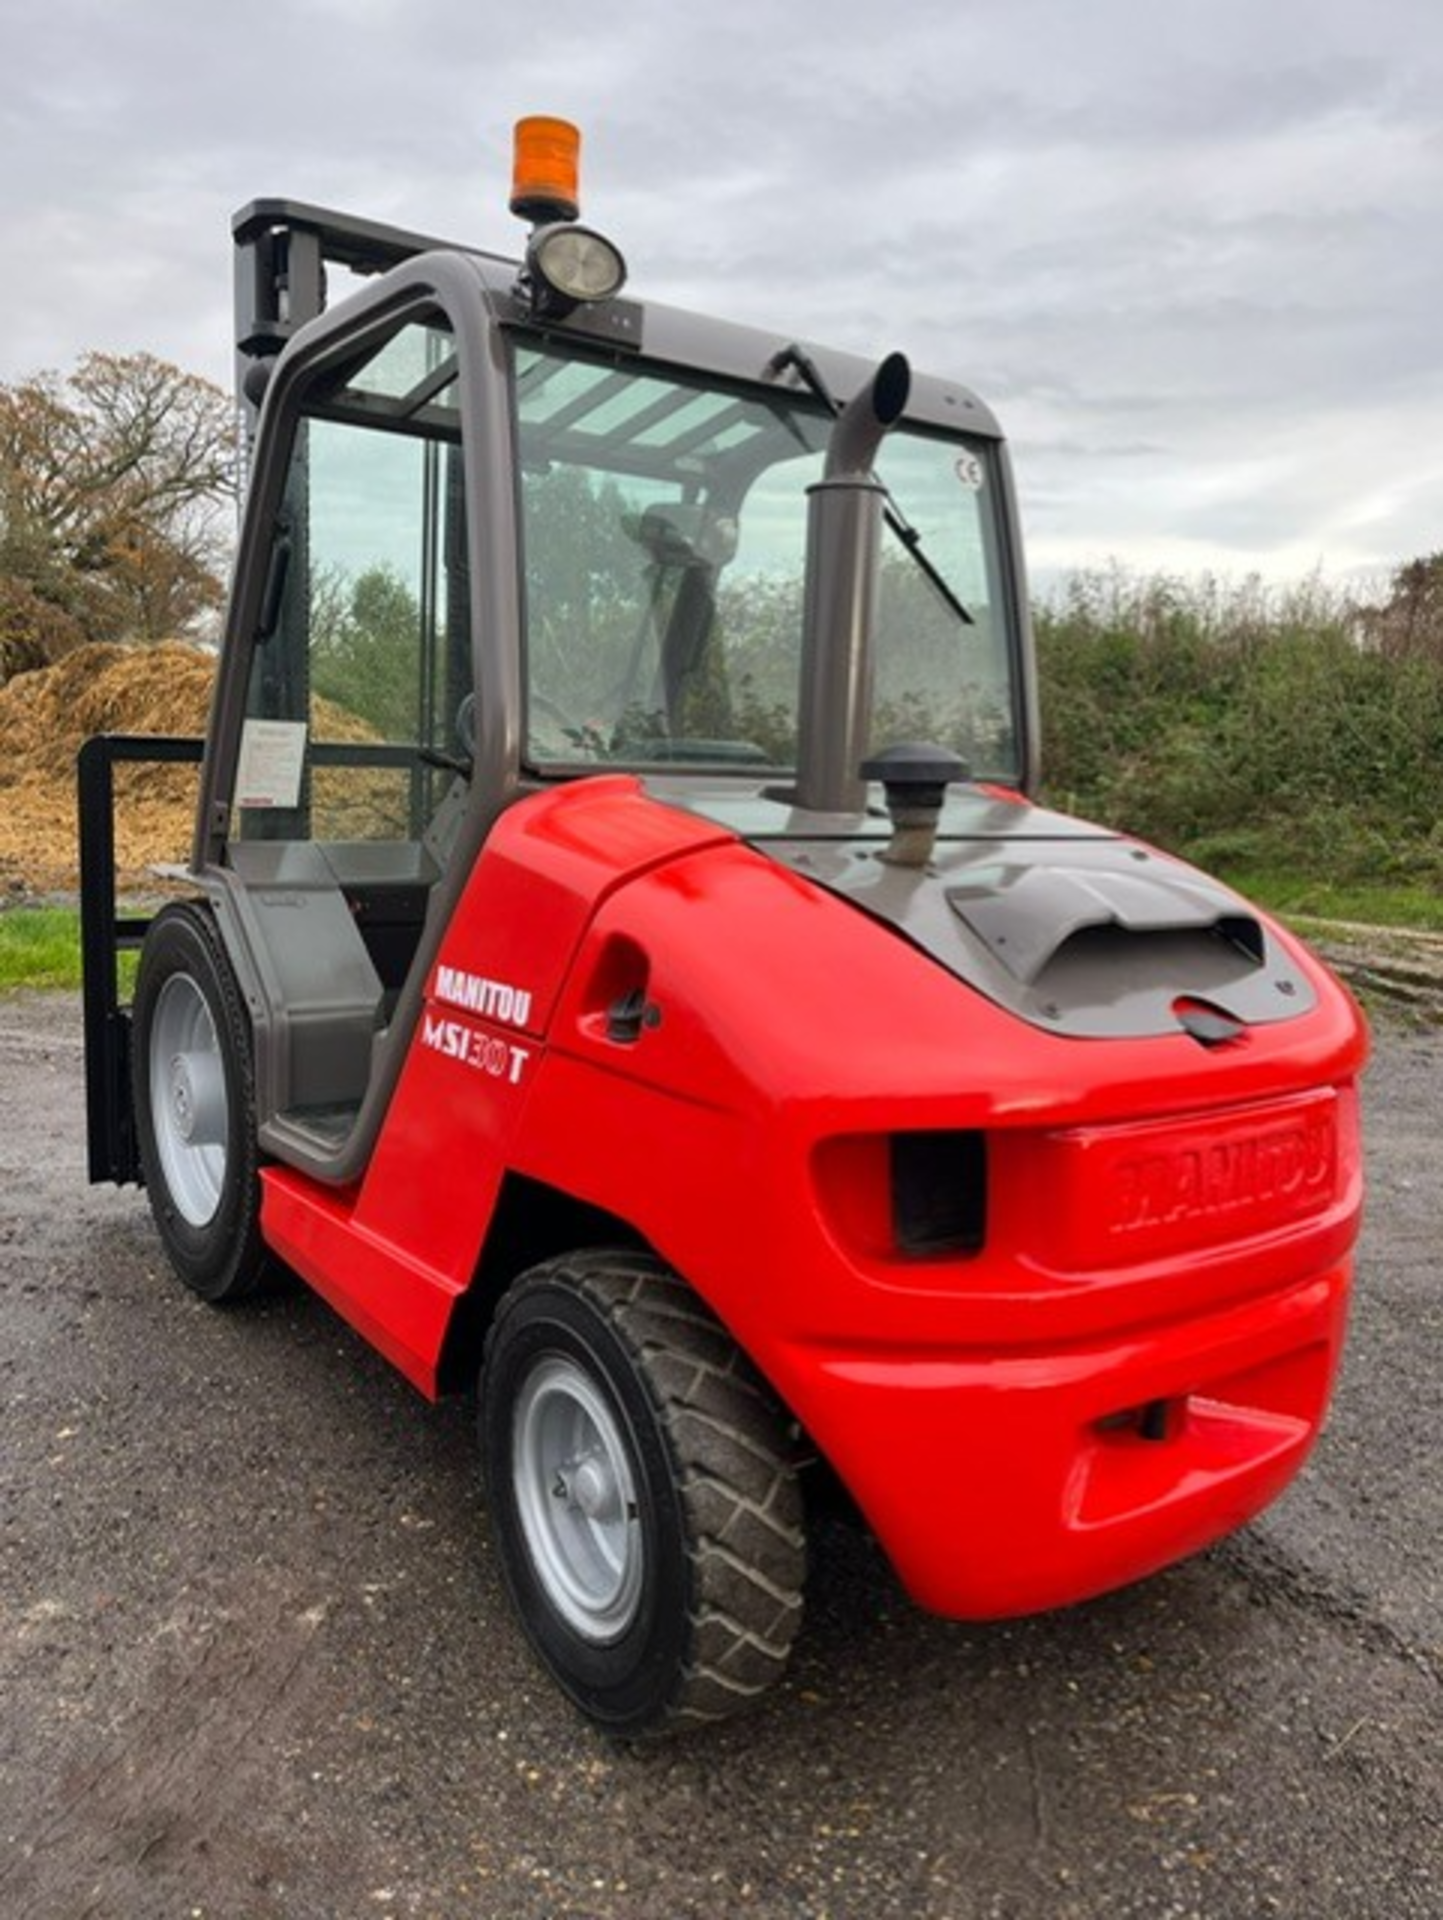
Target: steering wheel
[581, 736]
[462, 764]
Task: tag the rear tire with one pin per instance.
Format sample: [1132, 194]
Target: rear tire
[643, 1493]
[195, 1106]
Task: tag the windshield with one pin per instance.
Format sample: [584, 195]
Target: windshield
[665, 530]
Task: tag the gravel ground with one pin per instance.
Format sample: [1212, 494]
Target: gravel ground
[255, 1660]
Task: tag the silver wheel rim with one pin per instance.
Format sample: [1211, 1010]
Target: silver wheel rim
[576, 1498]
[188, 1109]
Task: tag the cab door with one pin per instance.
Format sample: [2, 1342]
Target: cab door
[362, 740]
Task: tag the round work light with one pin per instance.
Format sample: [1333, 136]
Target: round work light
[569, 265]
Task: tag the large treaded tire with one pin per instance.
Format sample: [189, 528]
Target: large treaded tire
[195, 1106]
[643, 1494]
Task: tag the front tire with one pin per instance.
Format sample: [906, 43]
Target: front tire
[643, 1494]
[195, 1106]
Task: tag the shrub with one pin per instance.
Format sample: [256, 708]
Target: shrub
[33, 632]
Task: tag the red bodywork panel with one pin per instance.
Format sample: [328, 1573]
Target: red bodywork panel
[1168, 1227]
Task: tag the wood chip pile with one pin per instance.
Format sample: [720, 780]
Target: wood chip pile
[44, 718]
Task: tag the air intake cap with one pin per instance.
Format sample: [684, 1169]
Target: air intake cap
[915, 776]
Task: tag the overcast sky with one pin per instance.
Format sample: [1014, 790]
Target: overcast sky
[1191, 251]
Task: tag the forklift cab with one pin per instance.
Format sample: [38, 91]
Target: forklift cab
[487, 549]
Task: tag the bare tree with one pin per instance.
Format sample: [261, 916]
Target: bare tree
[1410, 624]
[114, 485]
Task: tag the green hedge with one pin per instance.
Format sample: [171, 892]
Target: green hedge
[1246, 727]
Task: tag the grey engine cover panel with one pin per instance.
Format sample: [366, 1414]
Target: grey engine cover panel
[1078, 933]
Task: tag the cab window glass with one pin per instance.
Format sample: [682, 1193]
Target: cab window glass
[361, 671]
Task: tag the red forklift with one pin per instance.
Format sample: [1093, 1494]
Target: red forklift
[625, 971]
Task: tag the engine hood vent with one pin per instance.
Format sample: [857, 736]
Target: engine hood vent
[1027, 912]
[1093, 937]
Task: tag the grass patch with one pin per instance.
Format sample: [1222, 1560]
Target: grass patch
[1304, 896]
[39, 947]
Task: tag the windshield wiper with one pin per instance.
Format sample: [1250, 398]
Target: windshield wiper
[811, 374]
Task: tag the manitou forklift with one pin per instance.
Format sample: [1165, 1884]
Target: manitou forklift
[625, 972]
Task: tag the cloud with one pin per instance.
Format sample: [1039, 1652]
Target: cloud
[1189, 255]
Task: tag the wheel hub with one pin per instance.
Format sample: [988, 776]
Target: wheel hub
[574, 1486]
[590, 1486]
[188, 1105]
[197, 1098]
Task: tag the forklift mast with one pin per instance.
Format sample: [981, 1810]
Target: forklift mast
[282, 251]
